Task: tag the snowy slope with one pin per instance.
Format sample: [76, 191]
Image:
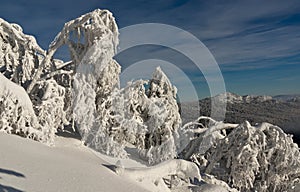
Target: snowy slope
[26, 165]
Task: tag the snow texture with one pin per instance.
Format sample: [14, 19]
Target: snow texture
[155, 174]
[264, 156]
[17, 115]
[68, 166]
[249, 158]
[19, 55]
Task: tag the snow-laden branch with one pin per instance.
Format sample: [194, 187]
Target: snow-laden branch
[80, 35]
[57, 72]
[201, 128]
[16, 112]
[19, 54]
[263, 156]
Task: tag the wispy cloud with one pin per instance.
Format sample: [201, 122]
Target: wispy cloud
[247, 38]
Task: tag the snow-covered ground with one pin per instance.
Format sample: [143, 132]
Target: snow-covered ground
[26, 165]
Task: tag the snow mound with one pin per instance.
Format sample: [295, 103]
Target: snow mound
[17, 114]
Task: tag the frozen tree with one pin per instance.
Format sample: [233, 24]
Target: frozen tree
[51, 112]
[17, 114]
[204, 132]
[162, 119]
[80, 35]
[48, 81]
[261, 158]
[20, 59]
[121, 121]
[92, 40]
[19, 54]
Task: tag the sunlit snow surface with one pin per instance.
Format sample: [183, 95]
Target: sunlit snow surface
[26, 165]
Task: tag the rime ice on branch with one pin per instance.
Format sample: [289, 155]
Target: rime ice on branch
[19, 54]
[144, 114]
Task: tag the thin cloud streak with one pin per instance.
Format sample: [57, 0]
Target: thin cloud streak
[246, 37]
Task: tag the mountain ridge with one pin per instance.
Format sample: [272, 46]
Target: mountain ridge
[232, 97]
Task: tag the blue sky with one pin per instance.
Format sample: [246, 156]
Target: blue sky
[255, 43]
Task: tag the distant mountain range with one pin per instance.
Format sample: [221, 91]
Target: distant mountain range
[281, 110]
[234, 98]
[287, 97]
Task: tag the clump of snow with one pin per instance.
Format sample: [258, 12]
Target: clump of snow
[17, 114]
[154, 175]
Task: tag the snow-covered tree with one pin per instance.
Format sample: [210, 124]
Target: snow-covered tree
[20, 59]
[19, 54]
[17, 114]
[97, 76]
[261, 158]
[162, 119]
[249, 158]
[48, 81]
[51, 112]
